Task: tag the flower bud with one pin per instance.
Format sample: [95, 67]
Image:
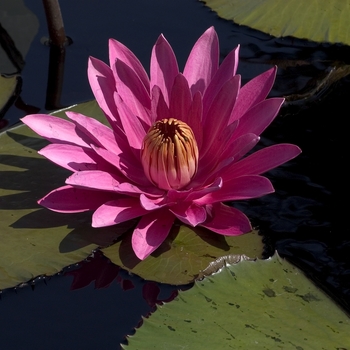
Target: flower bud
[170, 154]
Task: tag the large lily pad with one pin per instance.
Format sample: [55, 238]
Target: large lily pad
[316, 20]
[185, 253]
[36, 241]
[263, 304]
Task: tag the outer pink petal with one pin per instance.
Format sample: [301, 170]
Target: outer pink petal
[192, 215]
[244, 187]
[164, 67]
[151, 232]
[102, 84]
[117, 211]
[261, 161]
[71, 157]
[258, 118]
[68, 199]
[132, 91]
[226, 220]
[225, 72]
[118, 51]
[253, 92]
[105, 181]
[55, 129]
[96, 180]
[203, 61]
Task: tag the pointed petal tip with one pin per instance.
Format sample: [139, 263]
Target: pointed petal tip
[161, 38]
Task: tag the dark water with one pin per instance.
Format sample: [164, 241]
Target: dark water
[305, 220]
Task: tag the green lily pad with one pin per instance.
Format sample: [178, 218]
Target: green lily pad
[34, 240]
[185, 253]
[8, 91]
[316, 20]
[262, 304]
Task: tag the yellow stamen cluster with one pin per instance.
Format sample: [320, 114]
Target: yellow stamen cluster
[170, 154]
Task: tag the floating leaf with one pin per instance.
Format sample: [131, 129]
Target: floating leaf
[316, 20]
[8, 91]
[263, 304]
[34, 240]
[184, 254]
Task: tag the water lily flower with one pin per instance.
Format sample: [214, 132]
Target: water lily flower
[176, 146]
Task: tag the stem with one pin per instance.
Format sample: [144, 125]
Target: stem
[55, 23]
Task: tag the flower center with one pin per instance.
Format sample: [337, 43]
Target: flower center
[170, 154]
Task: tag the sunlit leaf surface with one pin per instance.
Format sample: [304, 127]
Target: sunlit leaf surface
[184, 254]
[263, 304]
[316, 20]
[35, 241]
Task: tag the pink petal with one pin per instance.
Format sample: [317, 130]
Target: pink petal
[74, 158]
[164, 67]
[218, 115]
[244, 187]
[208, 164]
[178, 195]
[225, 72]
[259, 117]
[159, 108]
[194, 119]
[203, 61]
[132, 91]
[240, 146]
[151, 232]
[101, 134]
[226, 220]
[263, 160]
[152, 203]
[192, 215]
[132, 127]
[103, 86]
[118, 51]
[254, 92]
[68, 199]
[133, 189]
[96, 180]
[234, 151]
[215, 186]
[181, 99]
[117, 211]
[55, 129]
[126, 164]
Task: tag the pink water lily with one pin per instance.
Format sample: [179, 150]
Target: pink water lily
[176, 145]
